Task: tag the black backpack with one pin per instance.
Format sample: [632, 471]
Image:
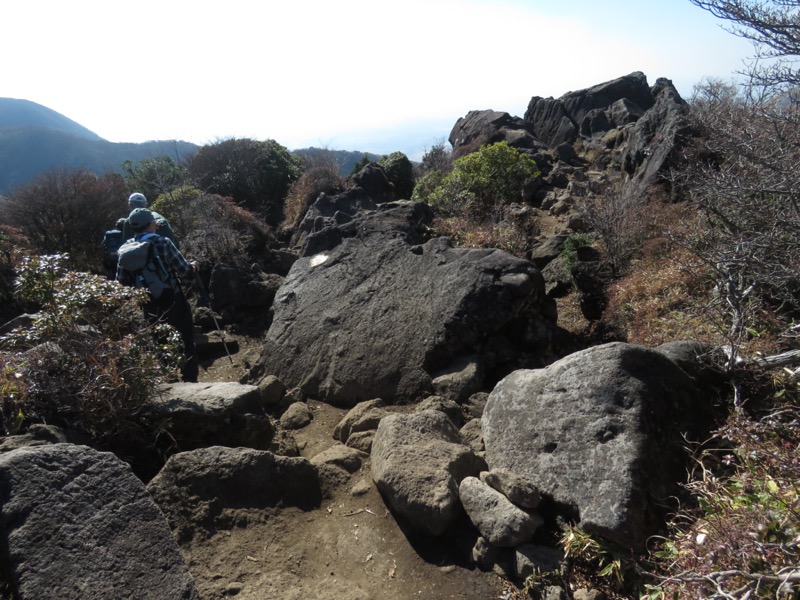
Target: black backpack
[138, 257]
[112, 240]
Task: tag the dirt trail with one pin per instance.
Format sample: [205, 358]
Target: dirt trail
[351, 548]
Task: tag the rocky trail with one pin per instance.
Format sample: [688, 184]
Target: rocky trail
[350, 548]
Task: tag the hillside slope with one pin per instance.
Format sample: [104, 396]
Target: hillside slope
[35, 139]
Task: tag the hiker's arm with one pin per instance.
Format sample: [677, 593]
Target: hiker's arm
[175, 259]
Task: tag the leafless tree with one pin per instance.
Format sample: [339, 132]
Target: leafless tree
[774, 28]
[745, 180]
[67, 211]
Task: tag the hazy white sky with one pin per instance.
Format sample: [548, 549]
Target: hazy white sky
[353, 75]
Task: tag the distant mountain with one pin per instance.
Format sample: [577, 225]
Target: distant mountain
[15, 114]
[35, 139]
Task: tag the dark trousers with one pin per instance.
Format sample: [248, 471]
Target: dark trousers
[173, 308]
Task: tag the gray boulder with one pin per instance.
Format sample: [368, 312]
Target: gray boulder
[472, 434]
[296, 416]
[417, 462]
[499, 522]
[340, 456]
[76, 523]
[380, 292]
[601, 432]
[217, 487]
[209, 414]
[517, 489]
[533, 558]
[240, 295]
[363, 417]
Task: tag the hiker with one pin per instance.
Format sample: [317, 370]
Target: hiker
[112, 240]
[159, 266]
[138, 200]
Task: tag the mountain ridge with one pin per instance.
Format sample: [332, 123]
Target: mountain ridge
[35, 139]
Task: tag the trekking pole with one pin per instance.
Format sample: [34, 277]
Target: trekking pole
[207, 300]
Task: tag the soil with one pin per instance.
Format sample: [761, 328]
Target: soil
[350, 548]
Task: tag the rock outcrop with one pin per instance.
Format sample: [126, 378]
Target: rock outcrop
[588, 112]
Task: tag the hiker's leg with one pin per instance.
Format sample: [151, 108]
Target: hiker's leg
[181, 319]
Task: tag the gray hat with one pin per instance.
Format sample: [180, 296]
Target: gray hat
[140, 218]
[137, 200]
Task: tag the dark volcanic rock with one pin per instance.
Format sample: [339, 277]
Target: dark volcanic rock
[481, 127]
[555, 121]
[379, 314]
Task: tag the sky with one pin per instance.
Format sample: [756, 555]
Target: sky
[371, 76]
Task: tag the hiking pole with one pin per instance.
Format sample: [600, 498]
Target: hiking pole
[207, 300]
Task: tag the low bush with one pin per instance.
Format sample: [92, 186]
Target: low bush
[742, 539]
[481, 183]
[213, 229]
[66, 211]
[321, 175]
[88, 362]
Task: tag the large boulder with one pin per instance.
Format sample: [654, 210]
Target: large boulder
[601, 433]
[379, 291]
[77, 523]
[213, 414]
[418, 462]
[202, 490]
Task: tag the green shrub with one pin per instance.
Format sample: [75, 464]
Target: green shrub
[482, 183]
[155, 176]
[574, 243]
[172, 206]
[88, 362]
[256, 174]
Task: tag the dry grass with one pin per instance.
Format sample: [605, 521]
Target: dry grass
[515, 235]
[659, 300]
[742, 540]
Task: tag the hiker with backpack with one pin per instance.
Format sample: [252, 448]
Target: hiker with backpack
[152, 261]
[138, 200]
